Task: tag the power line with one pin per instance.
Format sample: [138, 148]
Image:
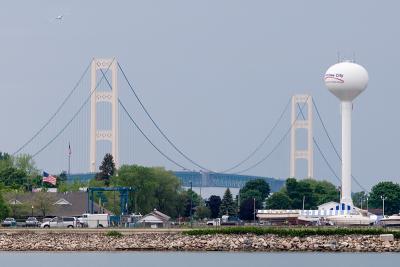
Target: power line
[333, 146]
[276, 146]
[55, 113]
[73, 117]
[262, 143]
[158, 128]
[148, 139]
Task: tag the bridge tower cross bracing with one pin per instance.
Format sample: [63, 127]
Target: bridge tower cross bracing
[110, 96]
[298, 122]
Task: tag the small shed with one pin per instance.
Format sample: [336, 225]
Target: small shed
[155, 219]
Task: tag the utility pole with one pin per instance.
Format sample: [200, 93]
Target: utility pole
[304, 198]
[254, 208]
[238, 202]
[191, 204]
[69, 160]
[383, 205]
[367, 203]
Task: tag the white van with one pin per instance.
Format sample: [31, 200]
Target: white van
[94, 220]
[60, 222]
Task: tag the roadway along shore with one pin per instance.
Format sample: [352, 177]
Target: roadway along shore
[175, 240]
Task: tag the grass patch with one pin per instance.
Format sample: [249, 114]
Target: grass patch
[114, 233]
[292, 232]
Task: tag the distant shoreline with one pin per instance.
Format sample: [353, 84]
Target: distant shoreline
[81, 240]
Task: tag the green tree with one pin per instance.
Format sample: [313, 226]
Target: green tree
[254, 189]
[247, 208]
[25, 163]
[153, 188]
[259, 185]
[107, 169]
[167, 187]
[202, 212]
[17, 172]
[227, 207]
[313, 192]
[191, 201]
[279, 200]
[6, 160]
[4, 210]
[16, 207]
[359, 199]
[389, 190]
[213, 203]
[13, 177]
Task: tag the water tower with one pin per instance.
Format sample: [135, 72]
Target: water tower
[346, 80]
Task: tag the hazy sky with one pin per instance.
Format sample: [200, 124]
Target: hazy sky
[214, 74]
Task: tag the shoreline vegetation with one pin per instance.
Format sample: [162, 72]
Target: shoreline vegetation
[250, 239]
[294, 231]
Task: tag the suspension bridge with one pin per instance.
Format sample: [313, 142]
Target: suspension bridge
[96, 118]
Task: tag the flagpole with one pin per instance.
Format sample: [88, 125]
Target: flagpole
[69, 165]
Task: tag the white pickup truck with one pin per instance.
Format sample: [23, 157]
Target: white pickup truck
[94, 220]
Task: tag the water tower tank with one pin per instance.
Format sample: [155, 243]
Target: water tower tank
[346, 80]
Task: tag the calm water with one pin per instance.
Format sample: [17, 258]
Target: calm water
[194, 259]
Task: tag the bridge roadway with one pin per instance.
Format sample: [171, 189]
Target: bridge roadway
[205, 179]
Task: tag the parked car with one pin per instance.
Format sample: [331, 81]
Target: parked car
[231, 220]
[47, 219]
[60, 222]
[31, 222]
[8, 222]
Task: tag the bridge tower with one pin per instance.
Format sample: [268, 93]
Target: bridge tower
[298, 122]
[99, 67]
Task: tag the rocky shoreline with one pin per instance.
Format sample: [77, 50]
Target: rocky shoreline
[31, 241]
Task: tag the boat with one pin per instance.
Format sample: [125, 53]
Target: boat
[393, 220]
[351, 219]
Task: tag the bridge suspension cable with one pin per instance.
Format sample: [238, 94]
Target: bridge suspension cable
[56, 112]
[276, 146]
[320, 150]
[158, 128]
[263, 141]
[73, 117]
[333, 146]
[148, 139]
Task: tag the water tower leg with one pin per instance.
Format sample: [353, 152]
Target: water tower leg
[346, 153]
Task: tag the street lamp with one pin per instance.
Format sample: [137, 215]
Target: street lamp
[383, 205]
[367, 203]
[32, 211]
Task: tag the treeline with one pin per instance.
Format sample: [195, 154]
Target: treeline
[308, 191]
[157, 188]
[387, 190]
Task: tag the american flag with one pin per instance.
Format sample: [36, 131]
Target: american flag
[47, 178]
